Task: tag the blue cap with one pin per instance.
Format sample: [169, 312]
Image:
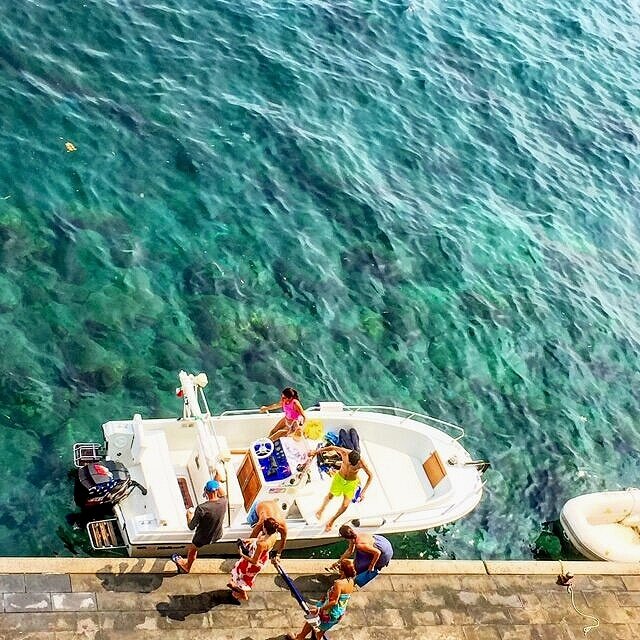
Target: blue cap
[211, 486]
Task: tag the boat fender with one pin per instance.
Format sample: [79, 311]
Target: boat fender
[368, 522]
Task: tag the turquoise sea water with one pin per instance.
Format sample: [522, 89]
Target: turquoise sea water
[427, 204]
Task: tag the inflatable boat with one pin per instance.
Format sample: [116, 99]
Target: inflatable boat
[150, 471]
[605, 525]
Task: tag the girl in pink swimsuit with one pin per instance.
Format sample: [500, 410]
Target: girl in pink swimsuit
[293, 417]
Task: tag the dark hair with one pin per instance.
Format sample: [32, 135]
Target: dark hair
[354, 457]
[347, 532]
[347, 568]
[290, 393]
[270, 525]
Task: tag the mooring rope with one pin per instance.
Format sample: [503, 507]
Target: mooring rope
[565, 580]
[589, 627]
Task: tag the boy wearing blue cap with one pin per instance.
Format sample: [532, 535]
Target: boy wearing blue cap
[207, 520]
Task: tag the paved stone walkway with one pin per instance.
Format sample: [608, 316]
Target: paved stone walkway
[144, 599]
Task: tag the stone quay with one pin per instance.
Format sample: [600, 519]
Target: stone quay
[144, 599]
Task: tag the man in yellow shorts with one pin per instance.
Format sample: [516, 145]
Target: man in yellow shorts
[345, 481]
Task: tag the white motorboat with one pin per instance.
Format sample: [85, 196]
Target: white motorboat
[152, 470]
[604, 525]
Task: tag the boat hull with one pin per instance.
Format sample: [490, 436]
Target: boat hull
[605, 525]
[422, 477]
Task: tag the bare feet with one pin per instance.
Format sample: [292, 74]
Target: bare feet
[239, 594]
[328, 527]
[319, 514]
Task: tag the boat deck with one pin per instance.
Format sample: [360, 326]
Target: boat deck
[422, 477]
[118, 599]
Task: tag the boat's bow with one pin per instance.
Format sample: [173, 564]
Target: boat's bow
[604, 525]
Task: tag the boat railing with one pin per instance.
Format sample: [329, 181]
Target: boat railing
[238, 412]
[404, 414]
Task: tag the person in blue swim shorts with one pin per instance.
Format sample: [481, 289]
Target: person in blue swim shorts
[372, 553]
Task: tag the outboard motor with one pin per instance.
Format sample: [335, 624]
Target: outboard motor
[104, 482]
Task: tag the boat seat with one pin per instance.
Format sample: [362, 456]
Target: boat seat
[199, 474]
[234, 493]
[393, 471]
[159, 477]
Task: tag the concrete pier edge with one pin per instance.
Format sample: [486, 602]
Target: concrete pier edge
[115, 598]
[213, 566]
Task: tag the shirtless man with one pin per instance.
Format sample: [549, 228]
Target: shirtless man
[345, 481]
[268, 509]
[372, 553]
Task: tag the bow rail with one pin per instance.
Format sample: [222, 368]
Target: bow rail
[397, 412]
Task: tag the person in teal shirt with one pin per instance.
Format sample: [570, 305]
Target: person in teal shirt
[333, 608]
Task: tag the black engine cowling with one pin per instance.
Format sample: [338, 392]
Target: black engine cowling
[105, 482]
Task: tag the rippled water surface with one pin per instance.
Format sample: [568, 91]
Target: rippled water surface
[427, 204]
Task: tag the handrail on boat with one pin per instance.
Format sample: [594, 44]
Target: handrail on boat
[405, 414]
[237, 412]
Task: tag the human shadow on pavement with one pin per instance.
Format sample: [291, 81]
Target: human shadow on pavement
[314, 583]
[125, 578]
[181, 606]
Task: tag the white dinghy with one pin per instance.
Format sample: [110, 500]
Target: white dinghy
[152, 470]
[605, 525]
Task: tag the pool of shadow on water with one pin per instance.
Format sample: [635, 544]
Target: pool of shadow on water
[552, 544]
